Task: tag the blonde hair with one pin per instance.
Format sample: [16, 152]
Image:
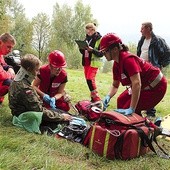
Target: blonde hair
[30, 61]
[5, 37]
[91, 25]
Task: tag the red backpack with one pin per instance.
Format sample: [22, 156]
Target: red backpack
[88, 109]
[116, 136]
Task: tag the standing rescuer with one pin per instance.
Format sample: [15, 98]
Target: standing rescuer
[91, 59]
[51, 81]
[147, 83]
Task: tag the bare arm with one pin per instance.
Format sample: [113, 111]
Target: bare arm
[136, 88]
[36, 84]
[113, 88]
[61, 91]
[11, 71]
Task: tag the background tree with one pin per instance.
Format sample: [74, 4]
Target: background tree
[68, 24]
[132, 47]
[41, 34]
[82, 16]
[21, 27]
[62, 25]
[107, 67]
[4, 17]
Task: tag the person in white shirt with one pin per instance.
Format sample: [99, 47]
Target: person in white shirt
[153, 49]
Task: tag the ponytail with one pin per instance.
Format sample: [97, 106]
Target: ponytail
[121, 47]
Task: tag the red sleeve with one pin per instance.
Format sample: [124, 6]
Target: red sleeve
[131, 66]
[3, 74]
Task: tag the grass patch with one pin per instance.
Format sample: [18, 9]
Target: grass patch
[22, 150]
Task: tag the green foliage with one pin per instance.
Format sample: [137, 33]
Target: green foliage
[41, 34]
[166, 71]
[73, 58]
[68, 25]
[5, 23]
[21, 27]
[107, 66]
[132, 48]
[62, 25]
[22, 150]
[82, 16]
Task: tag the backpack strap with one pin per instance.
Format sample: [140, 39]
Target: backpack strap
[143, 137]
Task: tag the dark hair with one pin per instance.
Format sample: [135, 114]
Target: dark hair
[121, 47]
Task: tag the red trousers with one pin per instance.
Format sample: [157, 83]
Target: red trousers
[90, 75]
[148, 98]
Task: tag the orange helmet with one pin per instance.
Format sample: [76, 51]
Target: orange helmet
[57, 59]
[109, 39]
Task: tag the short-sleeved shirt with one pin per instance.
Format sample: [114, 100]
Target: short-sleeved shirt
[50, 85]
[130, 65]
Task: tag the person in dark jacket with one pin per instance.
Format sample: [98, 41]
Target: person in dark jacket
[91, 59]
[153, 49]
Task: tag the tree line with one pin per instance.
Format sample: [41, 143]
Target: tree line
[44, 33]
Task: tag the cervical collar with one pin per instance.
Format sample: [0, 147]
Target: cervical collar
[24, 74]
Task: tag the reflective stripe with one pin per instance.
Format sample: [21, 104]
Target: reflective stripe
[155, 82]
[92, 137]
[106, 142]
[95, 60]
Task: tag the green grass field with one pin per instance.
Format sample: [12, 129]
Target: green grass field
[20, 150]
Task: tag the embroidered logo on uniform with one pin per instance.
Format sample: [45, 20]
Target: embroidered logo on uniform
[29, 92]
[55, 85]
[123, 76]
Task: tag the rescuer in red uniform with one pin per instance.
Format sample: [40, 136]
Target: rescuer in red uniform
[51, 81]
[147, 85]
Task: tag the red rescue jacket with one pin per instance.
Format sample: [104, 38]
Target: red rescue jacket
[48, 85]
[3, 70]
[147, 71]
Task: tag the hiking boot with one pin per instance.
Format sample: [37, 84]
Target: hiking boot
[151, 112]
[95, 96]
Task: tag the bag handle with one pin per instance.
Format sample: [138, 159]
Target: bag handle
[143, 136]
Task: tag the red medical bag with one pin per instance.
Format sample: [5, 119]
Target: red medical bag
[116, 136]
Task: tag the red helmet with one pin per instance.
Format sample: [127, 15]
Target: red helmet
[57, 59]
[109, 39]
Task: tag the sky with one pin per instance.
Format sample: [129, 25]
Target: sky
[123, 17]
